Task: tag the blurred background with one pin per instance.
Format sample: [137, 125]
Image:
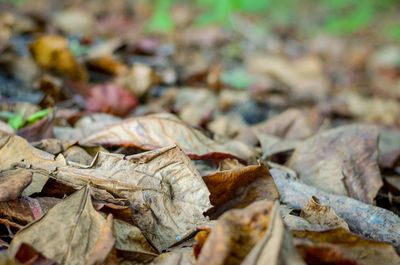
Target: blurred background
[217, 64]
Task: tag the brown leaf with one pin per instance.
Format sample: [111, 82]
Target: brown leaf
[59, 234]
[110, 98]
[235, 234]
[167, 194]
[108, 65]
[12, 185]
[103, 250]
[341, 161]
[315, 213]
[323, 254]
[363, 250]
[17, 150]
[139, 79]
[154, 131]
[276, 246]
[52, 52]
[238, 183]
[174, 258]
[27, 255]
[292, 124]
[25, 209]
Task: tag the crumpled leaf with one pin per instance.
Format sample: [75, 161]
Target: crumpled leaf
[276, 246]
[12, 185]
[15, 149]
[52, 52]
[225, 243]
[315, 213]
[110, 98]
[60, 233]
[240, 187]
[364, 219]
[362, 250]
[154, 131]
[167, 194]
[343, 161]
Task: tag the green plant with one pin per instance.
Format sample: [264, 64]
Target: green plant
[17, 121]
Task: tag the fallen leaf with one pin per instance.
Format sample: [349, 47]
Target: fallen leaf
[362, 250]
[272, 145]
[15, 149]
[52, 52]
[225, 243]
[59, 234]
[12, 185]
[139, 79]
[324, 253]
[174, 258]
[26, 209]
[107, 64]
[276, 246]
[103, 251]
[343, 161]
[240, 187]
[167, 195]
[154, 131]
[389, 148]
[85, 126]
[315, 213]
[27, 255]
[364, 219]
[110, 98]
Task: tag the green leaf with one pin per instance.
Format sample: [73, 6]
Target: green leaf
[161, 20]
[17, 121]
[38, 115]
[237, 78]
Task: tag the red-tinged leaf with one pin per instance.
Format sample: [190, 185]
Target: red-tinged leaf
[110, 98]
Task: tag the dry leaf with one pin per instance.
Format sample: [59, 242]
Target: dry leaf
[107, 64]
[59, 234]
[26, 209]
[235, 234]
[139, 79]
[17, 150]
[237, 184]
[343, 161]
[275, 247]
[315, 213]
[154, 131]
[272, 145]
[364, 219]
[167, 193]
[102, 252]
[27, 255]
[12, 185]
[323, 254]
[174, 258]
[52, 52]
[363, 250]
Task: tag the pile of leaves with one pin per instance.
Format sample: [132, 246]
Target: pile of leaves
[197, 146]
